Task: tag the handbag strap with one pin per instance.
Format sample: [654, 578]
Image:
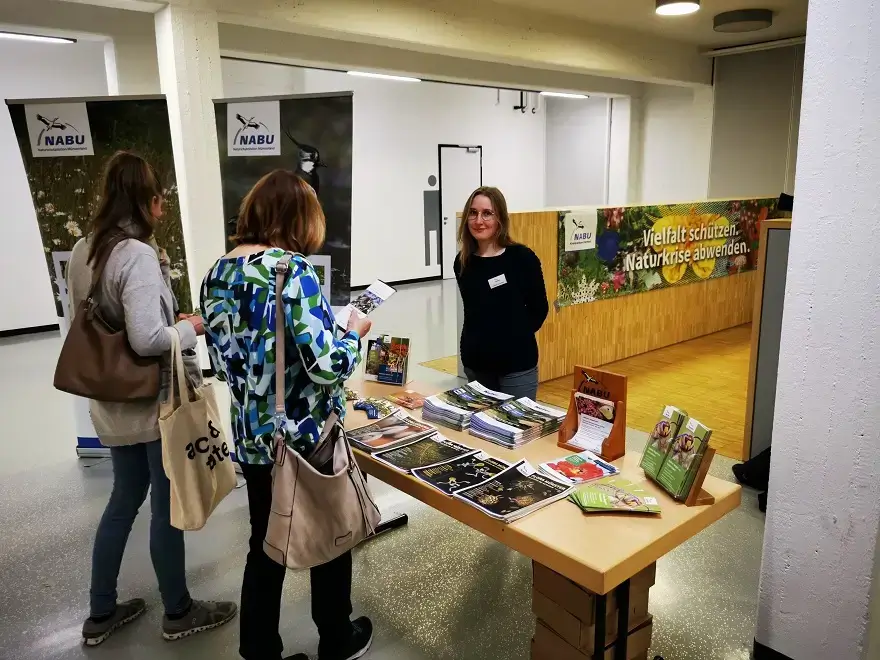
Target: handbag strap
[98, 269]
[178, 371]
[281, 270]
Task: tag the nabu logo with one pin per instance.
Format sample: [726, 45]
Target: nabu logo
[216, 454]
[253, 133]
[58, 133]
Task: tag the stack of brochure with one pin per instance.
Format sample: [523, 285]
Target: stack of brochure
[392, 431]
[456, 407]
[614, 495]
[513, 493]
[514, 423]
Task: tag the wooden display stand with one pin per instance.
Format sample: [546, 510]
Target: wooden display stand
[698, 496]
[602, 385]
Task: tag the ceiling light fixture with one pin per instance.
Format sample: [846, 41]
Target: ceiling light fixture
[21, 36]
[565, 95]
[677, 7]
[743, 20]
[382, 76]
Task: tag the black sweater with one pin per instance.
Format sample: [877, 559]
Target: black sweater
[500, 322]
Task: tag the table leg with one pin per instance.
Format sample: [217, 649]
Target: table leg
[599, 639]
[622, 621]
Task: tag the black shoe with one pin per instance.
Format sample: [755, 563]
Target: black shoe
[95, 632]
[356, 646]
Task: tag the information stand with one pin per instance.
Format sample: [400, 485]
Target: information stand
[603, 385]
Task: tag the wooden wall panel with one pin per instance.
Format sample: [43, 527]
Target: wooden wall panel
[609, 330]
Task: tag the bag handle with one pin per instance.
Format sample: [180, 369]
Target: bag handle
[178, 369]
[281, 270]
[98, 269]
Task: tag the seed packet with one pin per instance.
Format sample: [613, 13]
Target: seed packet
[660, 440]
[683, 460]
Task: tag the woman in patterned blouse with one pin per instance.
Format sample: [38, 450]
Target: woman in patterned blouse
[281, 215]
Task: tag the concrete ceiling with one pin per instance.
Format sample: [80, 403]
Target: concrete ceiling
[790, 18]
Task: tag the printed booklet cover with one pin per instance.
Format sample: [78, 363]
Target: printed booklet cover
[614, 495]
[387, 360]
[427, 451]
[395, 429]
[468, 470]
[376, 294]
[579, 468]
[683, 462]
[595, 420]
[660, 439]
[516, 492]
[407, 398]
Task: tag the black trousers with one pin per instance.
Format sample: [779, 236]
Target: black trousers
[263, 581]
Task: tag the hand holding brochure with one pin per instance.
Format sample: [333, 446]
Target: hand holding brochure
[377, 293]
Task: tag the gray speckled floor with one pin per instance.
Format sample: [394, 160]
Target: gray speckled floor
[435, 590]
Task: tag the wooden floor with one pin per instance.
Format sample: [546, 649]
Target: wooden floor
[705, 376]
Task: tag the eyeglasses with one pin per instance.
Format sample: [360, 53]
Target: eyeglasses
[486, 214]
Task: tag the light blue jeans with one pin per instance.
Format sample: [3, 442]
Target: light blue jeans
[517, 384]
[137, 469]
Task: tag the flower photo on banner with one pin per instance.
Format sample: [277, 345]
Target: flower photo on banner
[640, 248]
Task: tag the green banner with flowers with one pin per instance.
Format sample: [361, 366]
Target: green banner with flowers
[616, 251]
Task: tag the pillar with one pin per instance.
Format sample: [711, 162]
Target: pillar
[820, 542]
[132, 68]
[189, 73]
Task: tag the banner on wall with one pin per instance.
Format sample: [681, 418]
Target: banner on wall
[310, 134]
[610, 252]
[64, 145]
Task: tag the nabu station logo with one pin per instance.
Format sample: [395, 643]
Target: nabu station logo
[253, 135]
[59, 133]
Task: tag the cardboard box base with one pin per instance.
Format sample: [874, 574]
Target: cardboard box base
[547, 645]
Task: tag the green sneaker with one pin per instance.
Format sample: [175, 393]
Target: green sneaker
[95, 632]
[203, 615]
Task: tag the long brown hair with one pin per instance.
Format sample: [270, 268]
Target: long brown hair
[466, 240]
[283, 211]
[128, 187]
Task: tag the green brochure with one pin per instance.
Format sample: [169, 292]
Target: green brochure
[683, 462]
[660, 440]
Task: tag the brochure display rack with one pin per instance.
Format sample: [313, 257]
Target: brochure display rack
[603, 385]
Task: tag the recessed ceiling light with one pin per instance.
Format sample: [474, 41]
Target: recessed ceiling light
[565, 95]
[21, 36]
[743, 20]
[677, 7]
[382, 76]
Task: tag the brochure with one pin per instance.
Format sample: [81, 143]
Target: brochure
[407, 398]
[455, 407]
[387, 360]
[514, 423]
[595, 420]
[396, 429]
[660, 440]
[516, 492]
[683, 461]
[468, 470]
[614, 495]
[420, 453]
[579, 468]
[376, 294]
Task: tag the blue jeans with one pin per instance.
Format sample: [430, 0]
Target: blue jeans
[136, 469]
[517, 384]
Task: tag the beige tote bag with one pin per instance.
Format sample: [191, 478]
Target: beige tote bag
[195, 451]
[318, 513]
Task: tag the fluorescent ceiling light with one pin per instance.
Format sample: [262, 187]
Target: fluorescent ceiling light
[382, 76]
[565, 95]
[677, 7]
[19, 36]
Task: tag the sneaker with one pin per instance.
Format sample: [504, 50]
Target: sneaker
[203, 615]
[95, 632]
[356, 646]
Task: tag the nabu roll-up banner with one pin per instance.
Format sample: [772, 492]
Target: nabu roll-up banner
[310, 134]
[64, 145]
[617, 251]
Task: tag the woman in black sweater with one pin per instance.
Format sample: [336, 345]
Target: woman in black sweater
[505, 302]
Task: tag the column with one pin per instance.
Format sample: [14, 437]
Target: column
[132, 69]
[820, 542]
[189, 72]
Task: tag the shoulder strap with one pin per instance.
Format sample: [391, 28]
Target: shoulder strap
[98, 269]
[281, 270]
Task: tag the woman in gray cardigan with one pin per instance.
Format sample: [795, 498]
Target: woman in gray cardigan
[135, 294]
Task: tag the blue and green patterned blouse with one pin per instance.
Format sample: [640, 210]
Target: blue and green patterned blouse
[238, 304]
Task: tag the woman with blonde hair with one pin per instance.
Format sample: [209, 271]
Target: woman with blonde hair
[505, 303]
[279, 217]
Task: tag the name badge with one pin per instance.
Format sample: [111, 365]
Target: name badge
[495, 282]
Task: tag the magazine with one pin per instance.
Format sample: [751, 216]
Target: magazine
[387, 360]
[516, 492]
[396, 429]
[455, 407]
[420, 453]
[407, 398]
[579, 468]
[614, 495]
[468, 470]
[595, 420]
[514, 423]
[683, 461]
[376, 294]
[660, 440]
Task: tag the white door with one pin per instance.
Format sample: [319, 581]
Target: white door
[460, 174]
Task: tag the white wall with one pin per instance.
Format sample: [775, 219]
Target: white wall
[397, 127]
[576, 151]
[676, 143]
[242, 79]
[40, 71]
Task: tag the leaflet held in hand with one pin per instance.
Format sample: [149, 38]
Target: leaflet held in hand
[376, 294]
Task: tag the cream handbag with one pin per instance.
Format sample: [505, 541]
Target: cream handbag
[195, 451]
[321, 507]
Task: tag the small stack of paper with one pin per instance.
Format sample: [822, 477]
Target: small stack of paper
[456, 407]
[515, 423]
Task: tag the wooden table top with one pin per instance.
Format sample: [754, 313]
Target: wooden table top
[597, 551]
